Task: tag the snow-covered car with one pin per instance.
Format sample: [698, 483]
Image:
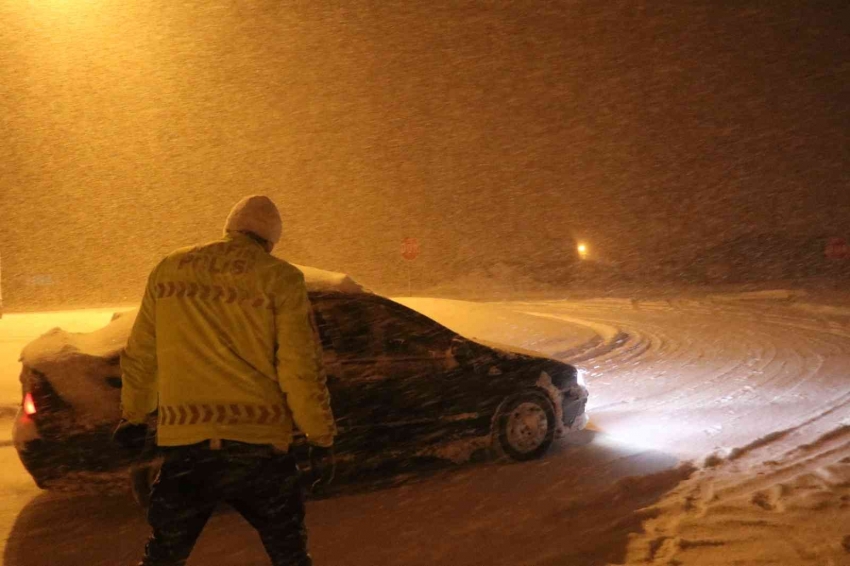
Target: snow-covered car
[401, 384]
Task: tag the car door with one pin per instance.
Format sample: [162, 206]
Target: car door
[384, 367]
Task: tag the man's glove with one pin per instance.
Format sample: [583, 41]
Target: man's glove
[130, 436]
[322, 467]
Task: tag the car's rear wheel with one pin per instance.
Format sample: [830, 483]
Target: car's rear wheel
[524, 425]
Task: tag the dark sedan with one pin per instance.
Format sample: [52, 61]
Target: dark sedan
[402, 386]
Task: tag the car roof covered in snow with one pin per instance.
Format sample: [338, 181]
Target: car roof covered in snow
[322, 280]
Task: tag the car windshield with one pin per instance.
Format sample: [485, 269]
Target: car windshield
[376, 327]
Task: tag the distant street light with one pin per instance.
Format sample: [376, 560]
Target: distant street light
[582, 251]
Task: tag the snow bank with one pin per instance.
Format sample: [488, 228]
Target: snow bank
[766, 295]
[494, 281]
[824, 310]
[768, 503]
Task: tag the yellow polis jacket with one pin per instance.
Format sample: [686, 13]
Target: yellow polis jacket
[225, 347]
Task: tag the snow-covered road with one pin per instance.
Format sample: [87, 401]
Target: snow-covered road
[695, 377]
[721, 435]
[755, 389]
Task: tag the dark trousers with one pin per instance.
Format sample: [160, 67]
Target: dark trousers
[258, 481]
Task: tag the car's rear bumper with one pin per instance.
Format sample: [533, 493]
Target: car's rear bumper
[37, 455]
[49, 460]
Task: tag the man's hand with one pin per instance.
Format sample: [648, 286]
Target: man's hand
[130, 436]
[322, 467]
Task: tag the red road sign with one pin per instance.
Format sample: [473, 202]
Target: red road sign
[410, 249]
[837, 248]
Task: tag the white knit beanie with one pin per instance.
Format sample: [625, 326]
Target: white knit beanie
[255, 214]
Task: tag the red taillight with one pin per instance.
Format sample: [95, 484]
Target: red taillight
[29, 404]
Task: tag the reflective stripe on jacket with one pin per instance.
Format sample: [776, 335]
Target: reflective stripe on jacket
[225, 346]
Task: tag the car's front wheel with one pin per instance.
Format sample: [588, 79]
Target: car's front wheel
[524, 425]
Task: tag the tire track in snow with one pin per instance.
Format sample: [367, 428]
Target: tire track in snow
[820, 345]
[728, 360]
[677, 354]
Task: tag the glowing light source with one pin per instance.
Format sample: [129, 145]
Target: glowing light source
[582, 250]
[580, 379]
[29, 404]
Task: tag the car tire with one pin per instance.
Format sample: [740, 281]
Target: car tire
[524, 426]
[142, 477]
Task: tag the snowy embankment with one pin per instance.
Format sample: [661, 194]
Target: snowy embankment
[754, 389]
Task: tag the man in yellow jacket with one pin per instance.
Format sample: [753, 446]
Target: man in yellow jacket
[225, 349]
